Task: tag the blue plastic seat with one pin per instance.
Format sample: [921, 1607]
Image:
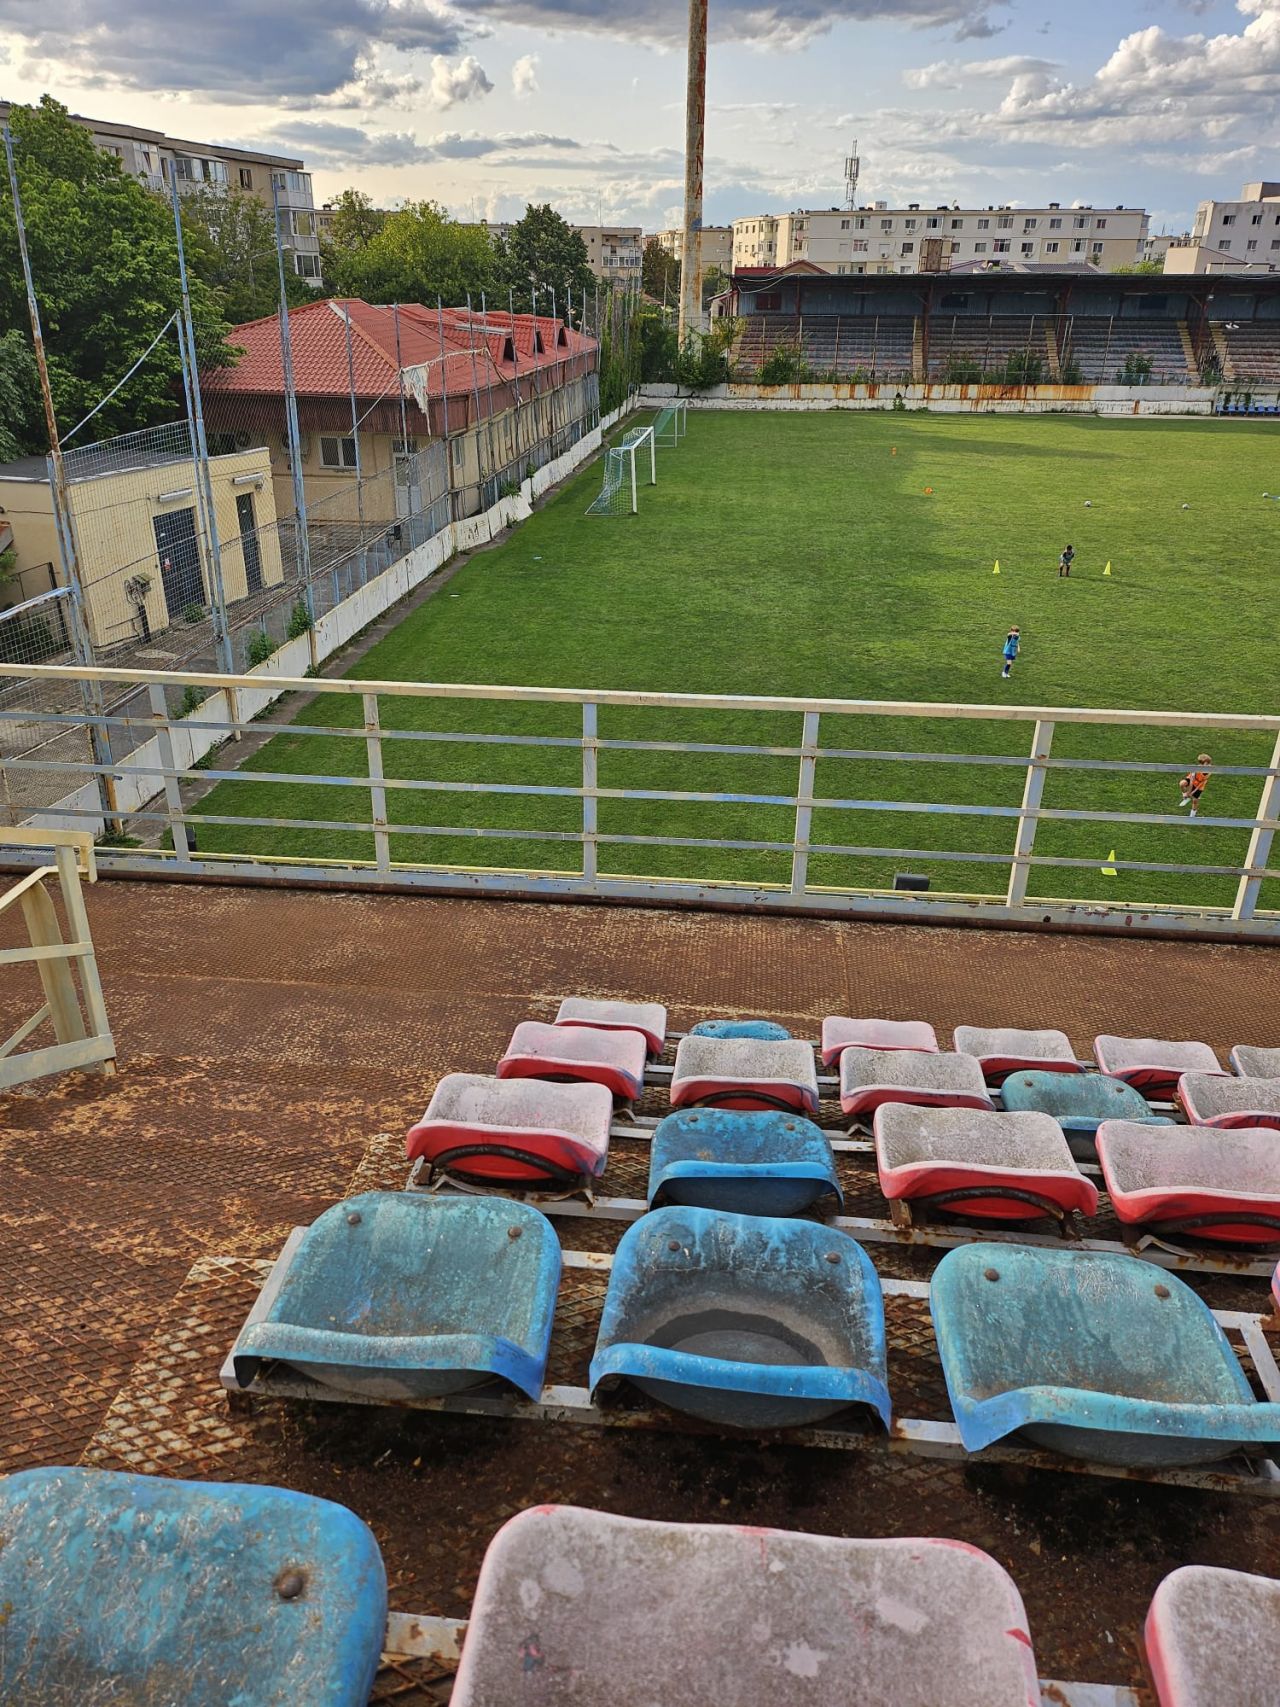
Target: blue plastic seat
[397, 1297]
[746, 1163]
[1094, 1355]
[1079, 1102]
[744, 1321]
[140, 1590]
[762, 1030]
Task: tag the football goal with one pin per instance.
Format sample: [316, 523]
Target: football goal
[624, 465]
[671, 424]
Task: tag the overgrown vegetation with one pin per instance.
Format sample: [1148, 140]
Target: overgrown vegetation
[1136, 369]
[258, 648]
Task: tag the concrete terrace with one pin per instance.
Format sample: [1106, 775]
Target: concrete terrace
[275, 1045]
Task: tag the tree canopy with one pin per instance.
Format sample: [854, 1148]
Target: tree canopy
[660, 274]
[230, 240]
[105, 260]
[417, 255]
[542, 251]
[356, 222]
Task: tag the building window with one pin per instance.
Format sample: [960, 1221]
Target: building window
[337, 453]
[957, 224]
[859, 245]
[844, 225]
[1251, 244]
[909, 224]
[1055, 225]
[1001, 246]
[1275, 242]
[862, 225]
[246, 178]
[908, 248]
[931, 224]
[1096, 248]
[1256, 219]
[1077, 246]
[1051, 248]
[1099, 225]
[1028, 248]
[1005, 222]
[984, 225]
[1028, 225]
[1081, 224]
[886, 225]
[306, 266]
[302, 224]
[979, 248]
[769, 302]
[1228, 219]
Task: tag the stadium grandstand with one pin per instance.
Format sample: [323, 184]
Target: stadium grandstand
[1050, 326]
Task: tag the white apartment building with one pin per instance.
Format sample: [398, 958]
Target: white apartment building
[716, 249]
[153, 156]
[613, 251]
[880, 239]
[1246, 231]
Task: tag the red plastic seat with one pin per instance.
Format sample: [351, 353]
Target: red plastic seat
[577, 1054]
[522, 1132]
[1180, 1177]
[1001, 1050]
[1001, 1167]
[1213, 1639]
[870, 1077]
[1152, 1065]
[648, 1018]
[839, 1034]
[1214, 1099]
[744, 1072]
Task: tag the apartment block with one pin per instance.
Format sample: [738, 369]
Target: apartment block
[716, 249]
[1244, 231]
[614, 252]
[157, 158]
[880, 239]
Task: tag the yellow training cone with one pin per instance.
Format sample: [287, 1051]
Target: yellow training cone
[996, 570]
[1109, 870]
[1107, 570]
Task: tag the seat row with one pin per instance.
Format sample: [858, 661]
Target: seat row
[118, 1586]
[755, 1322]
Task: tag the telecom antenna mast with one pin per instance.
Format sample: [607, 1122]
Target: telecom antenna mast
[852, 171]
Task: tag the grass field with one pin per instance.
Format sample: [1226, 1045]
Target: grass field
[848, 555]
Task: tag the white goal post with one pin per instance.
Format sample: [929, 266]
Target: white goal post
[619, 495]
[671, 424]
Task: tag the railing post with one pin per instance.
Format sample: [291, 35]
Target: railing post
[1032, 793]
[67, 862]
[590, 804]
[804, 804]
[1260, 841]
[377, 794]
[172, 792]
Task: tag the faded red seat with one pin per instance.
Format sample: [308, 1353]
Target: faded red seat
[576, 1055]
[522, 1132]
[648, 1018]
[870, 1077]
[1004, 1167]
[1213, 1639]
[744, 1072]
[1254, 1063]
[839, 1034]
[1214, 1099]
[1152, 1065]
[1001, 1050]
[1181, 1177]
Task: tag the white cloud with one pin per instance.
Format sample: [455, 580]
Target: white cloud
[524, 76]
[452, 84]
[955, 73]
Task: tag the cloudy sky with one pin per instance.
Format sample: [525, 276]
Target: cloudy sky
[486, 104]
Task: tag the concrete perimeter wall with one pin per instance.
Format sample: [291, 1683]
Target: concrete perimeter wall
[192, 738]
[953, 399]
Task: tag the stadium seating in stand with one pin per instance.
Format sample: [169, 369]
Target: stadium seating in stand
[635, 1612]
[1253, 351]
[127, 1588]
[743, 1321]
[1002, 1050]
[762, 1030]
[739, 1072]
[1213, 1638]
[1101, 347]
[1253, 1063]
[392, 1296]
[577, 1053]
[1079, 1102]
[648, 1018]
[1152, 1065]
[518, 1133]
[1212, 1099]
[870, 1077]
[1217, 1183]
[839, 1034]
[770, 1163]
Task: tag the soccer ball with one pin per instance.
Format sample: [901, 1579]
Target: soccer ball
[1088, 503]
[1186, 506]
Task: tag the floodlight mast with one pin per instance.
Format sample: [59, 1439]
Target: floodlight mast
[694, 149]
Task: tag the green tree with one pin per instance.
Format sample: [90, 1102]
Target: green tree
[418, 254]
[105, 260]
[715, 281]
[1147, 268]
[542, 251]
[230, 241]
[21, 422]
[659, 273]
[356, 222]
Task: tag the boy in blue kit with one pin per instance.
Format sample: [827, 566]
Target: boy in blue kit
[1011, 644]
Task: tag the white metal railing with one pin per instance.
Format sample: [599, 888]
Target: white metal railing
[145, 793]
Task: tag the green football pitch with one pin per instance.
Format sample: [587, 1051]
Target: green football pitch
[848, 555]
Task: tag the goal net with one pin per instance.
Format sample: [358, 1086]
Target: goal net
[625, 466]
[671, 425]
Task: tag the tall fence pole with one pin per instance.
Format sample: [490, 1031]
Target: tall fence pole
[804, 804]
[694, 146]
[1261, 841]
[64, 525]
[302, 540]
[355, 423]
[590, 799]
[200, 445]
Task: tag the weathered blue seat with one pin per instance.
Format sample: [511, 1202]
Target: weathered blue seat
[1095, 1355]
[762, 1030]
[395, 1297]
[747, 1163]
[145, 1591]
[743, 1321]
[1079, 1102]
[581, 1607]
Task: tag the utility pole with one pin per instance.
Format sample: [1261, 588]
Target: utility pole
[694, 149]
[302, 539]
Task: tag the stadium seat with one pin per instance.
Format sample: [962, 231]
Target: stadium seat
[839, 1034]
[1001, 1051]
[580, 1607]
[747, 1164]
[648, 1018]
[743, 1321]
[1004, 1167]
[1207, 1180]
[1079, 1102]
[1213, 1638]
[869, 1077]
[138, 1589]
[1150, 1064]
[392, 1296]
[1253, 1063]
[517, 1133]
[1094, 1355]
[577, 1054]
[1215, 1100]
[739, 1072]
[762, 1030]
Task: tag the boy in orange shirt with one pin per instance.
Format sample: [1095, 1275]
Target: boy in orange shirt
[1192, 785]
